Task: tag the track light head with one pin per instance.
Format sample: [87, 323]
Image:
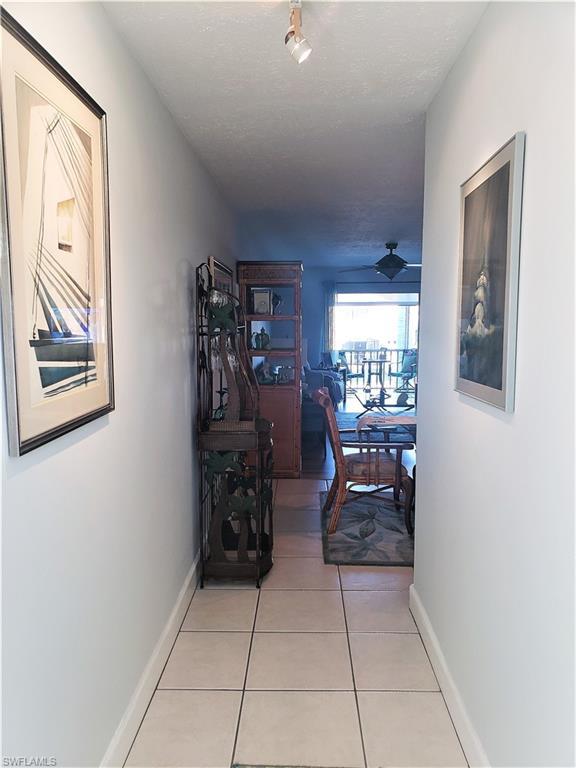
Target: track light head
[298, 47]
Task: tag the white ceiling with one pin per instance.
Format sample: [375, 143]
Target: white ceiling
[324, 161]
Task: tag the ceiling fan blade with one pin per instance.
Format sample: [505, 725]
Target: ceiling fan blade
[357, 269]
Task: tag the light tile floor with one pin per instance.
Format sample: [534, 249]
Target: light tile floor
[322, 667]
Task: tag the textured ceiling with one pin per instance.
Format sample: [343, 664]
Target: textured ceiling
[324, 161]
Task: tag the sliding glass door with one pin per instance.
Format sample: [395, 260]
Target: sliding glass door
[372, 326]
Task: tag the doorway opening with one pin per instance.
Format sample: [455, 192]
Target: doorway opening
[375, 338]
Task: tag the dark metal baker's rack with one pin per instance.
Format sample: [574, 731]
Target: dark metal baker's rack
[234, 443]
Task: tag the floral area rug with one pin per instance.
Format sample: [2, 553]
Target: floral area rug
[370, 532]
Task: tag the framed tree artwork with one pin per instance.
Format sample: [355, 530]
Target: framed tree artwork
[55, 247]
[491, 206]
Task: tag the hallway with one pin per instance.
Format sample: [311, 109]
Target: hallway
[323, 666]
[200, 146]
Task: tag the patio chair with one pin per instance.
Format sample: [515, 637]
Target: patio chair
[370, 465]
[350, 377]
[408, 371]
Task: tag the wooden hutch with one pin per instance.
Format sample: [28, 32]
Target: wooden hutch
[271, 294]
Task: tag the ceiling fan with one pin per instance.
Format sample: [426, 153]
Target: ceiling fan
[389, 265]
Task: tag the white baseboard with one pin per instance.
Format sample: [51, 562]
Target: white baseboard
[469, 739]
[119, 747]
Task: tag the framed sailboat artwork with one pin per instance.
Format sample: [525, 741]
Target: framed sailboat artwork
[56, 310]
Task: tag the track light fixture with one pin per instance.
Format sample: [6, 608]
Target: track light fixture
[298, 47]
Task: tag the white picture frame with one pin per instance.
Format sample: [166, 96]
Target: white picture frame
[490, 228]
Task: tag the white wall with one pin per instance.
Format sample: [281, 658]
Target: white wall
[495, 537]
[98, 528]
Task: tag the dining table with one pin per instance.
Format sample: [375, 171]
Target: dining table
[371, 368]
[384, 420]
[387, 423]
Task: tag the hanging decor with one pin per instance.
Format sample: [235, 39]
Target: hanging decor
[222, 275]
[491, 203]
[55, 250]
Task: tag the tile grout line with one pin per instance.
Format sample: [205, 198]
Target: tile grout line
[240, 708]
[305, 690]
[330, 632]
[156, 689]
[352, 670]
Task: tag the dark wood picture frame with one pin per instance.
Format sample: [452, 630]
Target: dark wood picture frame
[222, 275]
[87, 394]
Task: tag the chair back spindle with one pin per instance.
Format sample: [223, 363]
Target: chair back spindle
[322, 398]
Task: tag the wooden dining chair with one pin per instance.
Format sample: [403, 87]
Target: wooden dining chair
[374, 463]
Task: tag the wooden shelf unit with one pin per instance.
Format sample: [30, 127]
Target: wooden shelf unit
[280, 403]
[272, 353]
[256, 318]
